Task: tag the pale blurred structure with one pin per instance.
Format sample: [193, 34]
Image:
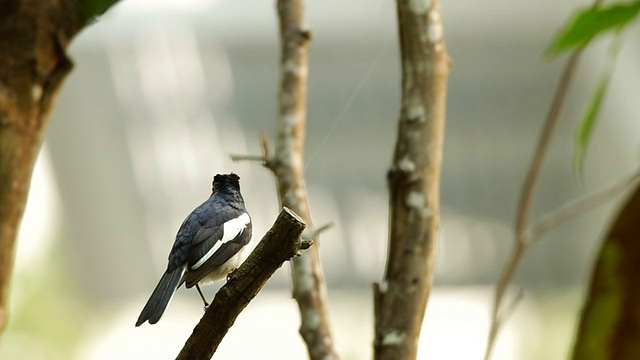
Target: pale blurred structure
[162, 93]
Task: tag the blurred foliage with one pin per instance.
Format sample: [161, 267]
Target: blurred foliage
[593, 22]
[578, 32]
[48, 316]
[586, 126]
[610, 322]
[92, 9]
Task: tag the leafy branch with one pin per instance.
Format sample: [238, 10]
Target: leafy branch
[584, 27]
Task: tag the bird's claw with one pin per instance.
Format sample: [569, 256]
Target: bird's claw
[230, 273]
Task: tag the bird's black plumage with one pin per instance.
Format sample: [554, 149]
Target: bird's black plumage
[210, 243]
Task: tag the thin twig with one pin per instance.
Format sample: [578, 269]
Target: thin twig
[265, 158]
[524, 206]
[543, 145]
[526, 196]
[510, 308]
[311, 233]
[578, 206]
[258, 158]
[509, 270]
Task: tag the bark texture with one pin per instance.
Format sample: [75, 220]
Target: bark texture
[287, 164]
[281, 243]
[34, 35]
[414, 182]
[610, 324]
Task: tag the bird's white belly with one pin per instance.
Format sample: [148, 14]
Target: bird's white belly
[222, 271]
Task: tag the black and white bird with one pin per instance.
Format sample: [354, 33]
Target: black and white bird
[211, 243]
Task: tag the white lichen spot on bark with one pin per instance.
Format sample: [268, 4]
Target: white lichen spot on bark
[434, 18]
[416, 112]
[434, 30]
[300, 194]
[36, 92]
[312, 318]
[417, 201]
[419, 7]
[282, 154]
[393, 338]
[293, 67]
[304, 280]
[286, 142]
[290, 66]
[327, 342]
[406, 165]
[426, 213]
[289, 120]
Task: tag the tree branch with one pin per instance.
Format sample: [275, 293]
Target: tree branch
[520, 243]
[257, 158]
[281, 243]
[414, 182]
[34, 36]
[522, 217]
[575, 207]
[287, 165]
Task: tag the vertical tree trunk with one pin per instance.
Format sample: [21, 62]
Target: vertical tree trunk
[34, 35]
[414, 182]
[287, 164]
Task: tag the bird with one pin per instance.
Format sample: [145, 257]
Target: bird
[211, 243]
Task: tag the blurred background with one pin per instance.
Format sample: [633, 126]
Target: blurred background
[164, 91]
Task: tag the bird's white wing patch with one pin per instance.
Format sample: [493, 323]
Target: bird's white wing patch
[230, 230]
[234, 227]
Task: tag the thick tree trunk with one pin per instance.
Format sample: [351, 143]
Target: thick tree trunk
[414, 182]
[34, 35]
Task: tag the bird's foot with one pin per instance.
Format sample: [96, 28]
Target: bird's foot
[204, 301]
[230, 273]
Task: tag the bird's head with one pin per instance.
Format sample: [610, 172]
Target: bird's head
[225, 181]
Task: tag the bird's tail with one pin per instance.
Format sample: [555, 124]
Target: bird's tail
[161, 296]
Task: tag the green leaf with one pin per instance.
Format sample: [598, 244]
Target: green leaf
[585, 129]
[92, 9]
[592, 22]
